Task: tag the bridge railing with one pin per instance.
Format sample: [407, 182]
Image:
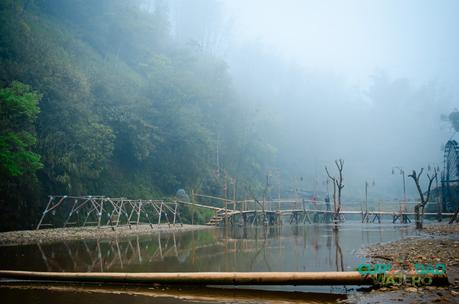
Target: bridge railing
[287, 206]
[65, 210]
[318, 205]
[314, 205]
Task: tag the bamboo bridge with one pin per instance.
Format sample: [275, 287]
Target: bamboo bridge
[300, 211]
[81, 211]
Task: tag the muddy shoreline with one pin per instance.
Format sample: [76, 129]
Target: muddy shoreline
[24, 237]
[434, 244]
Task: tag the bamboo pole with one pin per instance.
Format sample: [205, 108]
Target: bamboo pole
[205, 278]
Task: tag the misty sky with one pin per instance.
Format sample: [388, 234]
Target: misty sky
[366, 81]
[414, 39]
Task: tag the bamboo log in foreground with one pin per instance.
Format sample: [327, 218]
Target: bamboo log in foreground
[205, 278]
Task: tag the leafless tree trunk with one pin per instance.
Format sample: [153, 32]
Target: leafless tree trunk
[337, 185]
[419, 208]
[339, 254]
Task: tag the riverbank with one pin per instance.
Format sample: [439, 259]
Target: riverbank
[434, 244]
[23, 237]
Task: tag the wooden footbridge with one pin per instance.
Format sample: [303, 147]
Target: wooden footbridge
[81, 211]
[298, 211]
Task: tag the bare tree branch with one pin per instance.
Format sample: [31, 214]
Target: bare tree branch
[431, 179]
[419, 208]
[416, 177]
[331, 177]
[337, 184]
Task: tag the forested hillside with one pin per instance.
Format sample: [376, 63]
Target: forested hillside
[97, 98]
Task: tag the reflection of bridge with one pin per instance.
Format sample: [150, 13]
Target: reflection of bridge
[102, 255]
[214, 249]
[114, 254]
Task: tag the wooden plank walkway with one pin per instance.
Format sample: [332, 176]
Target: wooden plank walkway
[274, 209]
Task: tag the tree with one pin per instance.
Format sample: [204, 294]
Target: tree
[419, 208]
[18, 162]
[18, 110]
[123, 112]
[337, 185]
[454, 119]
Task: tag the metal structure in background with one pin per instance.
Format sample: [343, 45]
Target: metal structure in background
[100, 211]
[450, 179]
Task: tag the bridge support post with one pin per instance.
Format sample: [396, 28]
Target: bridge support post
[455, 217]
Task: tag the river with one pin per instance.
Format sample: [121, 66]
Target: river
[280, 248]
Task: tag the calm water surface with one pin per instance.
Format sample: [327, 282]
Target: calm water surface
[283, 248]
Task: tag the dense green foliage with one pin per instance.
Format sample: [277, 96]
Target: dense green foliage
[125, 111]
[18, 110]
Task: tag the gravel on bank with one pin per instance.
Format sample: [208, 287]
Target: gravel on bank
[435, 244]
[24, 237]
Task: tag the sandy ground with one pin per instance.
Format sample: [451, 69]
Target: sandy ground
[77, 233]
[436, 244]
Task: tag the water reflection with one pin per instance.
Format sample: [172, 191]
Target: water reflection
[276, 248]
[36, 293]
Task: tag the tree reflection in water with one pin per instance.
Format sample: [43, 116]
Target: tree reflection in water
[271, 248]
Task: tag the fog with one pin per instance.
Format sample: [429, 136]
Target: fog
[142, 98]
[365, 81]
[412, 39]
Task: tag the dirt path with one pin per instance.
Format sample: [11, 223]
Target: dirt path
[436, 244]
[78, 233]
